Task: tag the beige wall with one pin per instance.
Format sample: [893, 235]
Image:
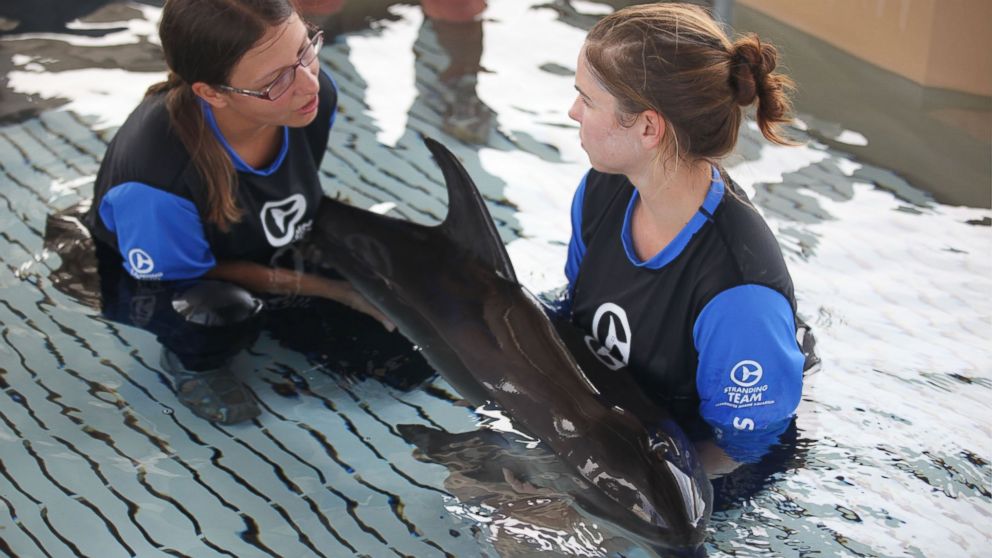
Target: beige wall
[936, 43]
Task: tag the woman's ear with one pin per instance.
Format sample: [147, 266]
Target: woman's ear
[653, 127]
[212, 96]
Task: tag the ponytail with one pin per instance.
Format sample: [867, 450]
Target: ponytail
[752, 78]
[208, 155]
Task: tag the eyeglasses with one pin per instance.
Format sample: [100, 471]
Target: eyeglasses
[286, 77]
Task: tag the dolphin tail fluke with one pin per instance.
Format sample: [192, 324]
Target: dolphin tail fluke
[468, 223]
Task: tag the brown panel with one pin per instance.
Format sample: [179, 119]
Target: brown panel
[961, 47]
[937, 44]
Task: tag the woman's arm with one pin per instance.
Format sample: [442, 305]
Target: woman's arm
[716, 462]
[750, 373]
[263, 279]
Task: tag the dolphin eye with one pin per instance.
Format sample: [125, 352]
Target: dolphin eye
[660, 444]
[668, 441]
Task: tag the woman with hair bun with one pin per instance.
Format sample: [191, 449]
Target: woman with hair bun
[669, 266]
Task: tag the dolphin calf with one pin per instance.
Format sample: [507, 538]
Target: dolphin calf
[452, 290]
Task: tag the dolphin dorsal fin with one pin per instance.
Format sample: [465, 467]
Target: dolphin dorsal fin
[468, 223]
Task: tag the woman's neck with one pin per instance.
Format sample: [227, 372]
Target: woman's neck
[667, 199]
[256, 144]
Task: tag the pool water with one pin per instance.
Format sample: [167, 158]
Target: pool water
[890, 455]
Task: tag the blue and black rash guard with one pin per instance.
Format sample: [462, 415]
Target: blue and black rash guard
[707, 326]
[150, 203]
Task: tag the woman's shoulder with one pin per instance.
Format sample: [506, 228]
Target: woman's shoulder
[145, 148]
[737, 213]
[147, 121]
[752, 246]
[147, 134]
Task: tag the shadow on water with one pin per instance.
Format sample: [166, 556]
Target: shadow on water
[59, 36]
[446, 63]
[52, 16]
[49, 159]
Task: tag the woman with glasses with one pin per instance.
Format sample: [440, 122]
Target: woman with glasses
[210, 185]
[669, 266]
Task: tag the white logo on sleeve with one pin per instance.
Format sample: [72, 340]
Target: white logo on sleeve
[279, 219]
[141, 262]
[746, 391]
[746, 373]
[611, 330]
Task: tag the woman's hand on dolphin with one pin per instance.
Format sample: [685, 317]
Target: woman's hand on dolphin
[715, 460]
[264, 279]
[348, 296]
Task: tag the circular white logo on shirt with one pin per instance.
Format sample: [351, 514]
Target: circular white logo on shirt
[611, 331]
[279, 219]
[141, 262]
[746, 373]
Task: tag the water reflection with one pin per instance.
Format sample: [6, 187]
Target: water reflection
[523, 495]
[938, 140]
[890, 455]
[443, 102]
[49, 17]
[52, 57]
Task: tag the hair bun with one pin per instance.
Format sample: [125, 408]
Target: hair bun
[751, 61]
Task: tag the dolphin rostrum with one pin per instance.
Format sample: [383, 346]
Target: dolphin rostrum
[451, 290]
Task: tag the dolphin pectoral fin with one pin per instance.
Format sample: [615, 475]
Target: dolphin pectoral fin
[468, 223]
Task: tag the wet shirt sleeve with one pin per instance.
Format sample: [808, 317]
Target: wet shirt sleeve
[159, 235]
[576, 246]
[750, 369]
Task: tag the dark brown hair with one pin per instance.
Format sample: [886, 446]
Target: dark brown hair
[202, 41]
[676, 60]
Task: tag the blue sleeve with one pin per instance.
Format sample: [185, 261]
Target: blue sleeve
[334, 87]
[159, 234]
[576, 247]
[750, 374]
